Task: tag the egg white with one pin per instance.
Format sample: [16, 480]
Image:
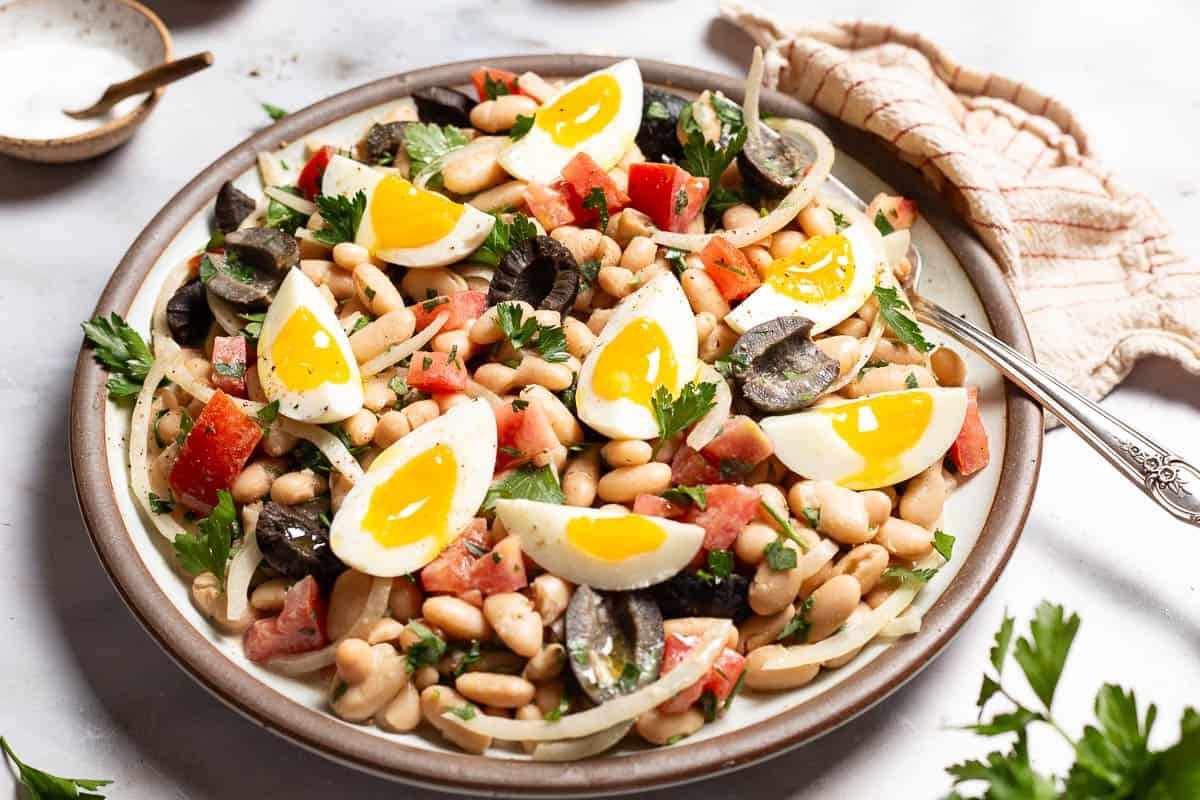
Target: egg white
[765, 304]
[537, 157]
[542, 529]
[329, 402]
[808, 445]
[469, 430]
[662, 301]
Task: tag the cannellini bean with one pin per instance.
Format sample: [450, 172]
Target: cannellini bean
[367, 679]
[493, 116]
[425, 676]
[702, 293]
[659, 728]
[537, 371]
[639, 253]
[377, 336]
[763, 680]
[924, 497]
[375, 291]
[349, 255]
[718, 343]
[390, 428]
[817, 221]
[762, 630]
[851, 326]
[457, 618]
[402, 713]
[861, 610]
[377, 393]
[515, 622]
[751, 543]
[949, 367]
[842, 512]
[896, 352]
[865, 563]
[892, 378]
[475, 167]
[617, 281]
[435, 702]
[506, 195]
[298, 487]
[624, 484]
[268, 595]
[630, 223]
[421, 412]
[494, 689]
[209, 597]
[904, 540]
[785, 242]
[425, 284]
[405, 600]
[774, 589]
[360, 427]
[550, 596]
[346, 602]
[842, 349]
[547, 664]
[582, 242]
[277, 441]
[580, 340]
[879, 506]
[739, 216]
[830, 605]
[566, 427]
[549, 695]
[254, 482]
[626, 452]
[580, 478]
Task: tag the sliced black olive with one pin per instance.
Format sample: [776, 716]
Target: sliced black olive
[689, 595]
[382, 141]
[238, 283]
[295, 542]
[539, 271]
[255, 262]
[233, 206]
[188, 314]
[614, 641]
[268, 249]
[444, 106]
[656, 137]
[773, 164]
[778, 368]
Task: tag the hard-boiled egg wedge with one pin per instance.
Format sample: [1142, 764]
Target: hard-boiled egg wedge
[403, 224]
[605, 549]
[304, 358]
[648, 342]
[599, 114]
[419, 494]
[826, 279]
[872, 441]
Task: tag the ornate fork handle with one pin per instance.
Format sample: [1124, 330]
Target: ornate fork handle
[1165, 477]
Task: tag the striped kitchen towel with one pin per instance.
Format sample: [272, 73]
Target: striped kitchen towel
[1092, 264]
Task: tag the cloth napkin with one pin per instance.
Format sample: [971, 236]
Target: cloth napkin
[1092, 263]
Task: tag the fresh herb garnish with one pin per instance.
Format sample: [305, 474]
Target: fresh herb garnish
[123, 353]
[943, 543]
[720, 566]
[284, 218]
[267, 415]
[722, 197]
[161, 505]
[469, 656]
[550, 340]
[234, 369]
[525, 483]
[783, 525]
[521, 126]
[812, 516]
[598, 202]
[428, 145]
[342, 216]
[185, 426]
[779, 556]
[493, 88]
[728, 363]
[474, 549]
[42, 785]
[675, 414]
[253, 327]
[274, 112]
[503, 237]
[208, 548]
[681, 200]
[910, 381]
[705, 159]
[910, 575]
[737, 688]
[687, 495]
[427, 650]
[628, 680]
[839, 220]
[708, 705]
[556, 713]
[891, 306]
[882, 223]
[675, 259]
[797, 627]
[656, 110]
[519, 405]
[870, 365]
[465, 713]
[360, 322]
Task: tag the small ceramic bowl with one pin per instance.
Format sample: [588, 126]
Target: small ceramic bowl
[54, 42]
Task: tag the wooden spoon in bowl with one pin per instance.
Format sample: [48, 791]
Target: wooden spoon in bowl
[147, 81]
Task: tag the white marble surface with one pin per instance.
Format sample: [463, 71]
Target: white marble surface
[83, 689]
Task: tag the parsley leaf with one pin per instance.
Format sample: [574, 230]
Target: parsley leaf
[550, 340]
[882, 224]
[999, 651]
[185, 426]
[1043, 655]
[44, 786]
[464, 712]
[233, 369]
[726, 365]
[274, 112]
[705, 159]
[779, 556]
[493, 88]
[525, 483]
[812, 516]
[427, 650]
[891, 306]
[676, 414]
[839, 220]
[342, 216]
[798, 625]
[687, 495]
[267, 415]
[783, 525]
[208, 548]
[503, 237]
[123, 353]
[161, 505]
[656, 110]
[910, 381]
[675, 259]
[521, 126]
[588, 271]
[720, 563]
[556, 713]
[628, 680]
[428, 145]
[943, 543]
[907, 574]
[870, 365]
[598, 202]
[253, 327]
[284, 218]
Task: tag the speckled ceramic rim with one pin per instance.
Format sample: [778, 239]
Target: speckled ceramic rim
[479, 776]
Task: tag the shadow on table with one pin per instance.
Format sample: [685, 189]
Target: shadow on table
[179, 14]
[25, 181]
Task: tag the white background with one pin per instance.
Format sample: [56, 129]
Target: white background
[84, 691]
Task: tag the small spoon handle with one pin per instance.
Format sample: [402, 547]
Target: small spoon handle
[1162, 475]
[147, 81]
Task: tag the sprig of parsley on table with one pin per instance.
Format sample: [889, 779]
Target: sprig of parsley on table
[503, 237]
[892, 308]
[44, 786]
[122, 351]
[207, 550]
[674, 414]
[342, 216]
[549, 340]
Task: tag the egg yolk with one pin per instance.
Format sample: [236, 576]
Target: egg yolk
[614, 538]
[582, 112]
[404, 216]
[414, 502]
[881, 429]
[305, 355]
[638, 360]
[817, 271]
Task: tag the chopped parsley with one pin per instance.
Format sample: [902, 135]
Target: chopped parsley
[597, 201]
[908, 575]
[208, 548]
[943, 543]
[503, 237]
[720, 566]
[681, 200]
[783, 526]
[122, 351]
[465, 712]
[161, 505]
[234, 369]
[705, 159]
[687, 495]
[870, 365]
[656, 110]
[882, 224]
[342, 216]
[588, 271]
[685, 409]
[185, 426]
[779, 556]
[675, 259]
[426, 651]
[521, 126]
[726, 365]
[840, 220]
[892, 307]
[798, 626]
[428, 145]
[556, 713]
[253, 327]
[493, 88]
[549, 340]
[468, 657]
[628, 680]
[910, 381]
[812, 516]
[519, 405]
[285, 218]
[525, 483]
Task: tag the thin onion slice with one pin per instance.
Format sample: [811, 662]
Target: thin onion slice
[896, 244]
[792, 203]
[398, 352]
[866, 348]
[243, 564]
[816, 558]
[224, 314]
[710, 424]
[293, 201]
[579, 749]
[139, 446]
[607, 715]
[330, 445]
[855, 635]
[372, 611]
[906, 624]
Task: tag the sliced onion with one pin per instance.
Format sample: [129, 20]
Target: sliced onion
[139, 446]
[243, 564]
[225, 315]
[906, 624]
[856, 634]
[579, 749]
[398, 352]
[607, 715]
[349, 322]
[866, 347]
[476, 271]
[816, 558]
[182, 376]
[895, 245]
[792, 203]
[710, 424]
[293, 201]
[303, 663]
[330, 445]
[372, 611]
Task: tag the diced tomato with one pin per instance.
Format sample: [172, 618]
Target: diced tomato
[970, 450]
[738, 448]
[900, 212]
[229, 363]
[433, 373]
[720, 679]
[502, 570]
[724, 674]
[221, 440]
[550, 204]
[729, 269]
[667, 193]
[299, 628]
[450, 572]
[689, 468]
[583, 175]
[727, 509]
[522, 434]
[651, 505]
[459, 309]
[309, 182]
[479, 78]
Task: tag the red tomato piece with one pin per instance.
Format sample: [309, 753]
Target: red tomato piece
[229, 360]
[583, 175]
[738, 448]
[216, 449]
[299, 628]
[720, 679]
[551, 204]
[729, 269]
[522, 434]
[696, 190]
[667, 193]
[459, 309]
[727, 509]
[689, 468]
[724, 674]
[309, 182]
[651, 505]
[900, 212]
[970, 450]
[434, 373]
[502, 570]
[479, 78]
[450, 571]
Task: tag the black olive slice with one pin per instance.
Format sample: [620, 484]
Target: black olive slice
[295, 543]
[657, 138]
[778, 368]
[188, 314]
[539, 271]
[253, 265]
[773, 164]
[614, 641]
[444, 106]
[238, 283]
[381, 142]
[233, 206]
[268, 249]
[689, 595]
